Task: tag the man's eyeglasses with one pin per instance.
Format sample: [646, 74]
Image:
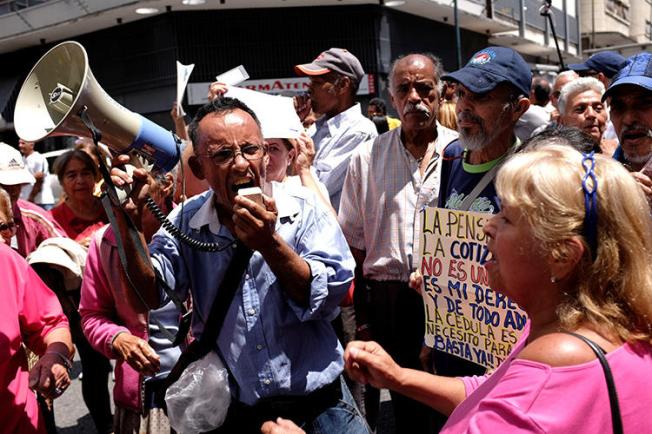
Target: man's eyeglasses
[227, 155]
[7, 226]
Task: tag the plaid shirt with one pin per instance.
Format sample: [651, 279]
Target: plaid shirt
[382, 196]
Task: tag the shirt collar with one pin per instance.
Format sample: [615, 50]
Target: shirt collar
[207, 214]
[341, 119]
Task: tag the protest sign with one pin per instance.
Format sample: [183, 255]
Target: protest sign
[464, 317]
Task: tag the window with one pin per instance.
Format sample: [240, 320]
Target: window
[618, 8]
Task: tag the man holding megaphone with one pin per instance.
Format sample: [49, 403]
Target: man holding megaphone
[276, 339]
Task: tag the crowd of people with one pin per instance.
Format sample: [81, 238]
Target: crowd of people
[308, 288]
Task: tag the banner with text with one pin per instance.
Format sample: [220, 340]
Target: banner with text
[464, 317]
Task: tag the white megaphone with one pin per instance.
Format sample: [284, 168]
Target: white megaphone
[55, 93]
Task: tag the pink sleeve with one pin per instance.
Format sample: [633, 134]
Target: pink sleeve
[472, 383]
[41, 312]
[97, 305]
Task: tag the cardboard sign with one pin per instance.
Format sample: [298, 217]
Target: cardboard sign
[464, 317]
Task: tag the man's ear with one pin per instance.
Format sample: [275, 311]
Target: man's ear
[565, 257]
[521, 107]
[196, 166]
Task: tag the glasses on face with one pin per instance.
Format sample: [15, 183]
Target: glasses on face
[9, 226]
[226, 155]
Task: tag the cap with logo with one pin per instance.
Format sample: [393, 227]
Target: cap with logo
[637, 70]
[337, 60]
[490, 67]
[12, 167]
[606, 62]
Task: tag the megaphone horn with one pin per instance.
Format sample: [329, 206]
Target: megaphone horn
[58, 88]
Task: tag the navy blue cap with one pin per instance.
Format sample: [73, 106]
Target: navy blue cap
[492, 66]
[637, 70]
[606, 62]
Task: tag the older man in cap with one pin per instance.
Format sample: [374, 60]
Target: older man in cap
[31, 223]
[630, 97]
[334, 79]
[603, 66]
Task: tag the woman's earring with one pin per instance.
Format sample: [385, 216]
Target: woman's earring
[553, 279]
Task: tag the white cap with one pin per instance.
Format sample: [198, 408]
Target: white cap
[12, 167]
[63, 254]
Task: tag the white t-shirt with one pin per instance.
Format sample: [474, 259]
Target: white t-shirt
[35, 163]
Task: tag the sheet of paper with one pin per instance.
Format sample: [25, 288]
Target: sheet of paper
[276, 113]
[233, 77]
[183, 74]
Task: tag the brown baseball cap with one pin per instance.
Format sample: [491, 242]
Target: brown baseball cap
[339, 60]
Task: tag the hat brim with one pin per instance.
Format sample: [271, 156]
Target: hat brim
[637, 80]
[579, 67]
[16, 177]
[53, 255]
[311, 69]
[476, 80]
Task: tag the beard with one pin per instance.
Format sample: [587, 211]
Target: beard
[482, 138]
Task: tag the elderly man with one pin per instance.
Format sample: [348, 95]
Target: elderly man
[40, 191]
[277, 341]
[33, 224]
[561, 80]
[603, 66]
[389, 180]
[630, 97]
[334, 79]
[581, 106]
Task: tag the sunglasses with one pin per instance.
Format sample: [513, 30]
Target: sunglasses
[7, 226]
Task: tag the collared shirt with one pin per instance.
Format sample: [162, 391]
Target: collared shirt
[383, 194]
[335, 139]
[271, 345]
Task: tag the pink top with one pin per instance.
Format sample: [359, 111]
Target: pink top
[28, 312]
[77, 228]
[34, 225]
[523, 396]
[105, 312]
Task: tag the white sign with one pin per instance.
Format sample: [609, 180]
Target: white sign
[183, 74]
[287, 86]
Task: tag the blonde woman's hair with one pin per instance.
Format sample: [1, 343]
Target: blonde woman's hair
[447, 116]
[613, 292]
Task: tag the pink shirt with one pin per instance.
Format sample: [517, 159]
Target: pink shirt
[34, 226]
[105, 312]
[523, 396]
[28, 312]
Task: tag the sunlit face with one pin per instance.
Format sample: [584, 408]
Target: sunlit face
[280, 158]
[232, 130]
[415, 95]
[631, 114]
[517, 266]
[78, 180]
[585, 111]
[7, 224]
[483, 117]
[25, 148]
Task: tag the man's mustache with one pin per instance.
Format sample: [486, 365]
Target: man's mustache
[469, 117]
[636, 128]
[419, 108]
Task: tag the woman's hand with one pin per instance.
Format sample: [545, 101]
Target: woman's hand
[416, 281]
[137, 353]
[305, 152]
[368, 363]
[49, 376]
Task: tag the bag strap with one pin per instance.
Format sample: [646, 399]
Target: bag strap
[616, 419]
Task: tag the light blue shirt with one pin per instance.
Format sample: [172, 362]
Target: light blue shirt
[271, 345]
[335, 140]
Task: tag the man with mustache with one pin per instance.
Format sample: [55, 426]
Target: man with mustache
[276, 340]
[630, 98]
[389, 180]
[334, 79]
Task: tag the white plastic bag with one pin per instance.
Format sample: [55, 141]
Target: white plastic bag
[199, 400]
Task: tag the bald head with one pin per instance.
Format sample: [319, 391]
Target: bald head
[424, 61]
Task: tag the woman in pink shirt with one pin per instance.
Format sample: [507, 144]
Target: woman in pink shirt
[29, 313]
[575, 262]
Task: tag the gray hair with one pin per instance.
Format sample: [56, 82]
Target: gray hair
[578, 86]
[436, 63]
[564, 74]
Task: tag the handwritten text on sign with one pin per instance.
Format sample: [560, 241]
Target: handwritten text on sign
[464, 317]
